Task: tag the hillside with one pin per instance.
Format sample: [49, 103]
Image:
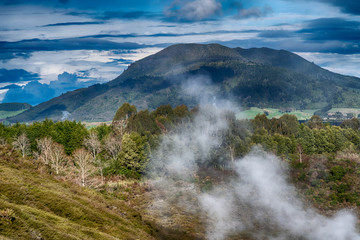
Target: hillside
[256, 77]
[12, 109]
[35, 205]
[14, 106]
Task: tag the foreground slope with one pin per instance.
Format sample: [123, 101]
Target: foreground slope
[37, 206]
[260, 77]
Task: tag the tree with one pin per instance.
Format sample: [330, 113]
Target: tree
[93, 144]
[121, 117]
[164, 110]
[112, 146]
[83, 160]
[44, 146]
[315, 122]
[57, 157]
[21, 143]
[101, 163]
[70, 134]
[133, 155]
[306, 139]
[353, 123]
[260, 121]
[300, 150]
[289, 125]
[180, 112]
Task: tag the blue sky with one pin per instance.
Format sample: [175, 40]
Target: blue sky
[48, 47]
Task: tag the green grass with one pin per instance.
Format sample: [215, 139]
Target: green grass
[274, 113]
[6, 114]
[34, 205]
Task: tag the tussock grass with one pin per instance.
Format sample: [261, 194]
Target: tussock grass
[42, 207]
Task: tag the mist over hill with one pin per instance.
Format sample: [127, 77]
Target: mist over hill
[260, 77]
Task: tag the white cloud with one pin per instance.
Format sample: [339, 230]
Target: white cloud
[3, 93]
[98, 65]
[347, 64]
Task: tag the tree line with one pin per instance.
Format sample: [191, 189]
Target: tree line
[68, 148]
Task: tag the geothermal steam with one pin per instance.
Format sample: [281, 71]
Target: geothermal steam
[257, 202]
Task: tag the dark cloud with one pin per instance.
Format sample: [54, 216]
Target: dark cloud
[242, 9]
[16, 75]
[66, 44]
[347, 6]
[295, 45]
[276, 34]
[7, 54]
[327, 35]
[331, 29]
[33, 93]
[169, 34]
[127, 15]
[72, 23]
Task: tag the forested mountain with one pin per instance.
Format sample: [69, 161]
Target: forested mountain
[259, 77]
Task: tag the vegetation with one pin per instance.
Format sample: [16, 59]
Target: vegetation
[77, 183]
[38, 206]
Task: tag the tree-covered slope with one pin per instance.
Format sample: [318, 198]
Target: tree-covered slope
[259, 77]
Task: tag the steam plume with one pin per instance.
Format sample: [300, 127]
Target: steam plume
[257, 202]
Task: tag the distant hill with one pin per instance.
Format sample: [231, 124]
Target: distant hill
[256, 77]
[12, 109]
[14, 106]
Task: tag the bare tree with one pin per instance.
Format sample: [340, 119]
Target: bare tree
[83, 161]
[45, 149]
[57, 157]
[112, 146]
[300, 151]
[22, 143]
[93, 144]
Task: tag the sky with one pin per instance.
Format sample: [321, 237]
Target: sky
[48, 47]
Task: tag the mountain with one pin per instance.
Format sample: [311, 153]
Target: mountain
[259, 77]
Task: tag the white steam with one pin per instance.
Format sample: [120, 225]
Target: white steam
[258, 202]
[65, 115]
[269, 203]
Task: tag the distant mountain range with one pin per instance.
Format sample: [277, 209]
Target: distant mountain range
[259, 77]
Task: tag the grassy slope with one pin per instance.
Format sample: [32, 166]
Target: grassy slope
[6, 114]
[52, 209]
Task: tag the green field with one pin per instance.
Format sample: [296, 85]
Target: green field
[6, 114]
[274, 113]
